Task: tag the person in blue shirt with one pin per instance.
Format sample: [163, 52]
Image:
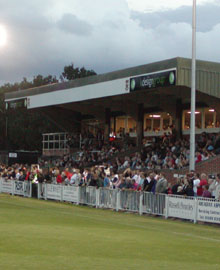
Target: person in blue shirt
[106, 181]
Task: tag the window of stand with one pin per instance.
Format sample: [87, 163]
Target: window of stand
[217, 120]
[125, 124]
[205, 118]
[157, 122]
[120, 124]
[210, 118]
[131, 125]
[198, 119]
[152, 122]
[186, 119]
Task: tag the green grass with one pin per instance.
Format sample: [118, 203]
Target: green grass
[50, 236]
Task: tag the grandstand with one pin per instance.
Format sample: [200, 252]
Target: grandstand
[144, 101]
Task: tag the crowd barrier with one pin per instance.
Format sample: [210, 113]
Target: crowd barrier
[15, 187]
[190, 208]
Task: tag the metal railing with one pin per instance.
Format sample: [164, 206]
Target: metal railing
[108, 198]
[154, 203]
[87, 195]
[129, 200]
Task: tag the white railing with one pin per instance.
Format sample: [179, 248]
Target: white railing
[108, 198]
[190, 208]
[129, 200]
[154, 204]
[88, 196]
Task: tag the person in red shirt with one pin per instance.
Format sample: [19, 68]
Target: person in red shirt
[27, 175]
[198, 157]
[59, 177]
[203, 182]
[112, 136]
[68, 174]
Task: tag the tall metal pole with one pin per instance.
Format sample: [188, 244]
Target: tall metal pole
[193, 91]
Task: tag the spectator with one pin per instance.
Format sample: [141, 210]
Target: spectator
[212, 185]
[75, 180]
[161, 186]
[196, 184]
[203, 182]
[206, 193]
[189, 188]
[217, 188]
[106, 181]
[59, 178]
[175, 187]
[152, 184]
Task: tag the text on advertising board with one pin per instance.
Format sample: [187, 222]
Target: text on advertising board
[153, 80]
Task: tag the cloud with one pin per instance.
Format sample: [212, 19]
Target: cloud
[71, 24]
[207, 17]
[150, 6]
[100, 35]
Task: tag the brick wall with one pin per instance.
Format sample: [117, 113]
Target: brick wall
[210, 166]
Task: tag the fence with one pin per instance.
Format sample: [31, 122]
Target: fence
[190, 208]
[15, 187]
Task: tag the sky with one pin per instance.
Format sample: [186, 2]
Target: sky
[43, 36]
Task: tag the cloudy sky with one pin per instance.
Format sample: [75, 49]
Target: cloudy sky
[105, 35]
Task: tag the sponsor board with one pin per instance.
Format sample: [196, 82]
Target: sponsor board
[19, 188]
[70, 193]
[54, 192]
[208, 211]
[6, 186]
[163, 78]
[181, 207]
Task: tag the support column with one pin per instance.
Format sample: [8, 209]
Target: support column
[140, 124]
[107, 124]
[114, 124]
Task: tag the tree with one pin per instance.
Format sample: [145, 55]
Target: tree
[39, 80]
[71, 73]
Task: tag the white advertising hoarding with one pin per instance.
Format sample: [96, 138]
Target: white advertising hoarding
[208, 211]
[181, 207]
[19, 188]
[70, 193]
[54, 192]
[7, 186]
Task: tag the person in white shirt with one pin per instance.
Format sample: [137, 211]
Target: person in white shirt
[74, 180]
[196, 183]
[217, 187]
[17, 174]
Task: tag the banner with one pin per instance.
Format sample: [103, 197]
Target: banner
[163, 78]
[181, 207]
[70, 194]
[208, 211]
[54, 192]
[7, 186]
[19, 188]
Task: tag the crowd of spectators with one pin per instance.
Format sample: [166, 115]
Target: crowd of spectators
[169, 153]
[159, 153]
[192, 184]
[98, 164]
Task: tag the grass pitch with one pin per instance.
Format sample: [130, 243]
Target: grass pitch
[56, 236]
